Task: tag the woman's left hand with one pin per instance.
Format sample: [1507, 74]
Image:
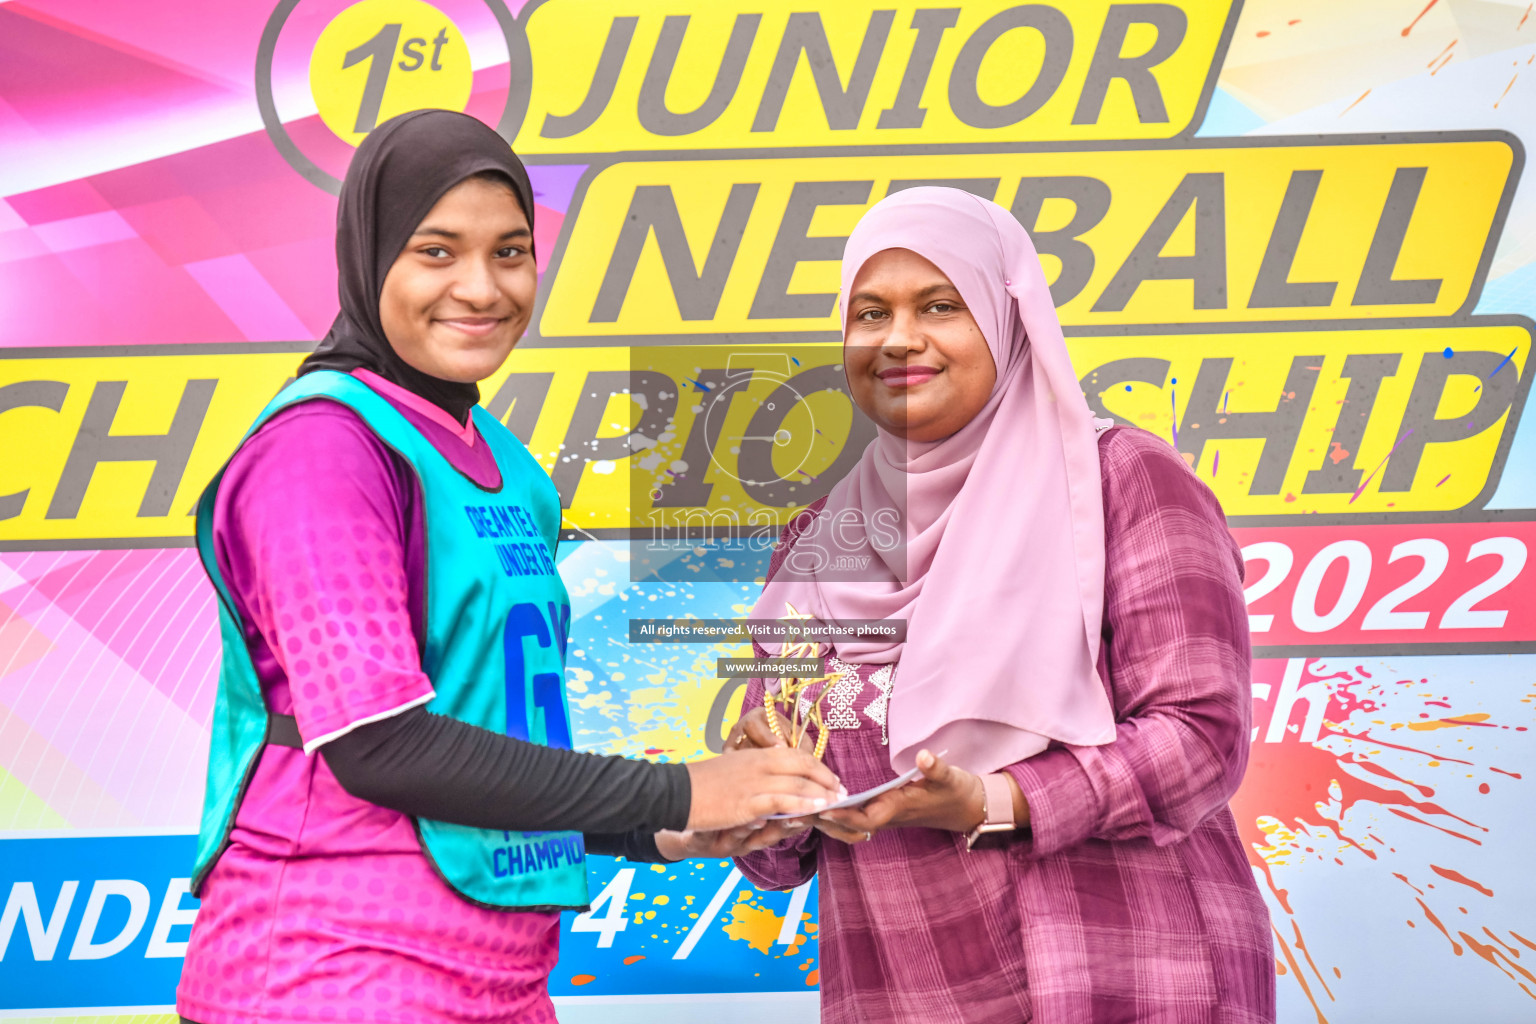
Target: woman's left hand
[945, 797]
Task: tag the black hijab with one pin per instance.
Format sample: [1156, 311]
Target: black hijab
[400, 171]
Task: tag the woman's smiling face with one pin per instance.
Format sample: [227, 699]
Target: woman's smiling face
[917, 364]
[459, 295]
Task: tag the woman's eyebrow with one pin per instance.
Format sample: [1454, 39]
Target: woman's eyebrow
[454, 236]
[922, 293]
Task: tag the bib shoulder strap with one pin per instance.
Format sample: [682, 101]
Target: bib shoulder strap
[382, 417]
[505, 445]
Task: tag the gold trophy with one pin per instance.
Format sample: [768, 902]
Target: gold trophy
[791, 694]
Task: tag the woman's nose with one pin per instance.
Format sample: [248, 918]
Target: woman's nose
[905, 334]
[475, 285]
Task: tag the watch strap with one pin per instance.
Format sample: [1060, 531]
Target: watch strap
[999, 791]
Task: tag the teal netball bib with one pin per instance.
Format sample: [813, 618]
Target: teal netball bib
[497, 621]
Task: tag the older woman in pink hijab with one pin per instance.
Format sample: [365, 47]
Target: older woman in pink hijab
[1076, 649]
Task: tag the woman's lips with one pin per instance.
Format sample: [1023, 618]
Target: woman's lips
[476, 326]
[907, 376]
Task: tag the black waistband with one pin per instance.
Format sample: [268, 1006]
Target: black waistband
[283, 731]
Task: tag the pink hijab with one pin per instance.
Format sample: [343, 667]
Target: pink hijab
[1001, 580]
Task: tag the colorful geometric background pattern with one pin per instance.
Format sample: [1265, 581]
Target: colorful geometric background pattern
[142, 203]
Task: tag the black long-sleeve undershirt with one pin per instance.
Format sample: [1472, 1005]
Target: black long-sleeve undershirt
[432, 766]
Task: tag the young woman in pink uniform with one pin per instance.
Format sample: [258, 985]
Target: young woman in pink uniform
[394, 816]
[1076, 642]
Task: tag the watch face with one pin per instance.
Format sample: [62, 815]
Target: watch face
[984, 836]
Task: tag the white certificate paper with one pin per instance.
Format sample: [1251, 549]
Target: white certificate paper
[860, 798]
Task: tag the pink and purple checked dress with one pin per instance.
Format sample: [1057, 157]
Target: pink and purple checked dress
[1129, 898]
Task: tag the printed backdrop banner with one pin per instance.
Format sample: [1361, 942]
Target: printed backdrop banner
[1295, 240]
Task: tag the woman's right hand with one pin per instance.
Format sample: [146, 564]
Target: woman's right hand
[728, 842]
[751, 784]
[752, 731]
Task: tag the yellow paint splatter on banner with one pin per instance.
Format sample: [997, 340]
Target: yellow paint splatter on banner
[757, 926]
